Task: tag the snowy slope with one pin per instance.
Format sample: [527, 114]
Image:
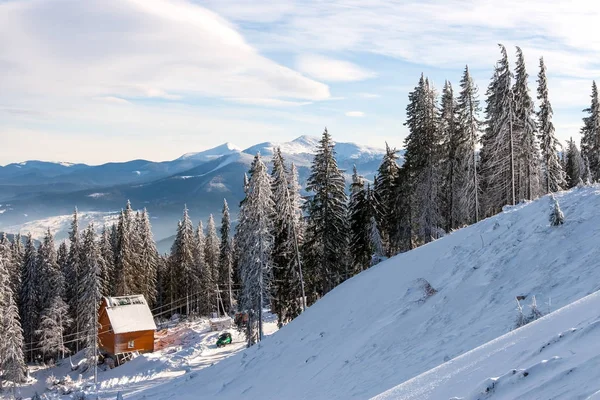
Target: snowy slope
[375, 331]
[60, 225]
[556, 357]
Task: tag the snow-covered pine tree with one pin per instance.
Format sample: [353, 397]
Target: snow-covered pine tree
[182, 264]
[298, 227]
[12, 364]
[18, 253]
[127, 265]
[62, 258]
[147, 258]
[451, 166]
[574, 163]
[202, 279]
[422, 161]
[360, 216]
[13, 270]
[385, 191]
[378, 253]
[403, 239]
[53, 323]
[521, 318]
[468, 187]
[556, 215]
[90, 294]
[211, 256]
[71, 274]
[535, 311]
[226, 261]
[5, 250]
[590, 134]
[162, 282]
[30, 292]
[107, 259]
[327, 226]
[553, 174]
[587, 175]
[525, 130]
[50, 279]
[498, 143]
[286, 291]
[255, 245]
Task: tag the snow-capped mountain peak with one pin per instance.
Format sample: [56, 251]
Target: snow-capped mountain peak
[210, 154]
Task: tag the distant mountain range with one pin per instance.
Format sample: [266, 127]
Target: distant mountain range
[41, 193]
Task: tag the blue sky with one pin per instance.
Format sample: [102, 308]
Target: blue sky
[111, 80]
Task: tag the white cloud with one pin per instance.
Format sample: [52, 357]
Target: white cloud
[439, 34]
[134, 48]
[331, 70]
[355, 114]
[269, 102]
[113, 99]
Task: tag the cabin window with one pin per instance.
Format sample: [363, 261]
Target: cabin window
[130, 344]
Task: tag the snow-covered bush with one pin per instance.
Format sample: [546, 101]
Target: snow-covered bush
[535, 311]
[556, 215]
[521, 318]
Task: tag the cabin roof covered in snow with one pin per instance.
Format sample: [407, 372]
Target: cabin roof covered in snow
[129, 314]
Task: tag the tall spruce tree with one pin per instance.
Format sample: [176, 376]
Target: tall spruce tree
[54, 321]
[18, 252]
[51, 280]
[286, 291]
[422, 161]
[147, 258]
[360, 215]
[385, 191]
[30, 292]
[525, 130]
[256, 243]
[226, 260]
[327, 226]
[451, 164]
[553, 174]
[107, 258]
[499, 142]
[62, 258]
[403, 240]
[182, 264]
[90, 294]
[467, 185]
[211, 256]
[590, 134]
[12, 364]
[575, 166]
[71, 274]
[202, 278]
[126, 273]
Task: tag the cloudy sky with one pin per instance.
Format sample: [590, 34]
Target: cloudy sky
[111, 80]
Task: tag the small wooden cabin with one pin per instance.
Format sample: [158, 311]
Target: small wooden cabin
[126, 325]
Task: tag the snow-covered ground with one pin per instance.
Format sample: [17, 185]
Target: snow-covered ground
[180, 351]
[60, 225]
[556, 357]
[377, 330]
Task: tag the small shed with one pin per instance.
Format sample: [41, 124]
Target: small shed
[126, 325]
